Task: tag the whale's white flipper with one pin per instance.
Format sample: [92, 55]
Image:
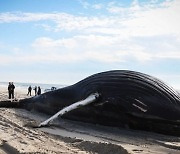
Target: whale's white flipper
[71, 107]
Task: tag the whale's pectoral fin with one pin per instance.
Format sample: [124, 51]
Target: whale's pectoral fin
[91, 98]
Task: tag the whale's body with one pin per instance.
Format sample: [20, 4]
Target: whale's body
[127, 99]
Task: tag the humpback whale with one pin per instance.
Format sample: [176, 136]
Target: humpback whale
[125, 99]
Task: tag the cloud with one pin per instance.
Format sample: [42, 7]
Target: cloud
[87, 5]
[78, 48]
[140, 19]
[84, 3]
[9, 17]
[97, 6]
[106, 49]
[115, 37]
[149, 19]
[97, 48]
[63, 21]
[158, 21]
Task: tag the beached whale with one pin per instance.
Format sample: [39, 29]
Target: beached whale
[126, 99]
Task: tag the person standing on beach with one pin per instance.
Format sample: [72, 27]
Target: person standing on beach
[11, 88]
[29, 90]
[39, 91]
[35, 90]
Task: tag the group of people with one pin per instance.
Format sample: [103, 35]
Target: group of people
[11, 87]
[37, 91]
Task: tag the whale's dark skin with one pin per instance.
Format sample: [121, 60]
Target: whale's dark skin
[127, 99]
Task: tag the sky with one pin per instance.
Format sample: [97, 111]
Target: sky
[65, 41]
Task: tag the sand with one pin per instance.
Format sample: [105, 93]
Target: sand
[65, 136]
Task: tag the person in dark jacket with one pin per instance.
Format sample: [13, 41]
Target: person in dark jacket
[35, 90]
[29, 90]
[39, 91]
[11, 88]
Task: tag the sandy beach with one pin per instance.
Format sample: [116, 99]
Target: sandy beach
[65, 136]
